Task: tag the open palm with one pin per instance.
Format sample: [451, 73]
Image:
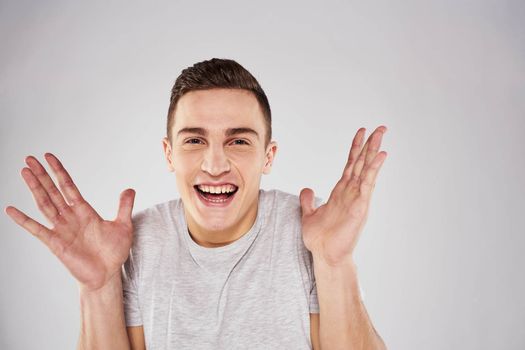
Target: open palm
[331, 231]
[91, 248]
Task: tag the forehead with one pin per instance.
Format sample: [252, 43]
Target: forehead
[218, 109]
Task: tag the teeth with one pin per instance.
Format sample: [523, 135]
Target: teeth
[217, 189]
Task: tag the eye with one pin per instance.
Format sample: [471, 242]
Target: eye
[240, 142]
[193, 141]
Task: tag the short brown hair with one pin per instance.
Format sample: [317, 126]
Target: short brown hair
[218, 73]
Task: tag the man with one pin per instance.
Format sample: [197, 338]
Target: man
[226, 266]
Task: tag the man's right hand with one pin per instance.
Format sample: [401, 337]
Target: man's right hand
[92, 249]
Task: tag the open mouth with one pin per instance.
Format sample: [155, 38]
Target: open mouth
[216, 195]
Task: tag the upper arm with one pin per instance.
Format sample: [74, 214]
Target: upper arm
[136, 338]
[314, 331]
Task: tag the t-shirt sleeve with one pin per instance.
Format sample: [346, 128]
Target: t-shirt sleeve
[307, 272]
[313, 301]
[129, 276]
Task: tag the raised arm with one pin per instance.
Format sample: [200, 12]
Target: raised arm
[331, 232]
[91, 248]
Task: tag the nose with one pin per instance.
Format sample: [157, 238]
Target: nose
[215, 161]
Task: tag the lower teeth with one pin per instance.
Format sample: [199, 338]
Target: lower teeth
[215, 200]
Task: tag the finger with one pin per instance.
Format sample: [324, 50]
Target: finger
[127, 199]
[358, 167]
[40, 172]
[375, 144]
[357, 144]
[306, 198]
[66, 184]
[370, 174]
[36, 229]
[40, 196]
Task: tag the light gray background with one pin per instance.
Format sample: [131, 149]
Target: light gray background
[441, 258]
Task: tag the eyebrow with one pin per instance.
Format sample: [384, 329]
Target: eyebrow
[228, 132]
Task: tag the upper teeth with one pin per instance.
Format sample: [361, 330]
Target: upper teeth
[217, 189]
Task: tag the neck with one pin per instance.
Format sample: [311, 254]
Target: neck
[220, 238]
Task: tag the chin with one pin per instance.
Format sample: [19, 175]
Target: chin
[210, 226]
[217, 227]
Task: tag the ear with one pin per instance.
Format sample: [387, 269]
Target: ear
[168, 153]
[271, 150]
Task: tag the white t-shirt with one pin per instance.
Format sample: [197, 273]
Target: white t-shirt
[254, 293]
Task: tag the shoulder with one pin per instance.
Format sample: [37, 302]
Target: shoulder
[281, 202]
[280, 198]
[155, 212]
[155, 220]
[283, 213]
[280, 206]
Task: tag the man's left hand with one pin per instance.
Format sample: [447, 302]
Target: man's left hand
[331, 231]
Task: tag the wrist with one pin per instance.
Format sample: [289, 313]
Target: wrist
[328, 271]
[345, 263]
[109, 288]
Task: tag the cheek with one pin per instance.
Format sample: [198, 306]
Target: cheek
[250, 168]
[186, 160]
[186, 166]
[246, 156]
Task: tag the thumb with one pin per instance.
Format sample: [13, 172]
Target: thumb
[127, 198]
[307, 201]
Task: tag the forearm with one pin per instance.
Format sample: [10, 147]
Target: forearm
[344, 322]
[102, 318]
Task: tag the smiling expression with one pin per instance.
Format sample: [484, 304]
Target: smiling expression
[218, 155]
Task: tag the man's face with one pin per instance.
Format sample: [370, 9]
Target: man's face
[218, 155]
